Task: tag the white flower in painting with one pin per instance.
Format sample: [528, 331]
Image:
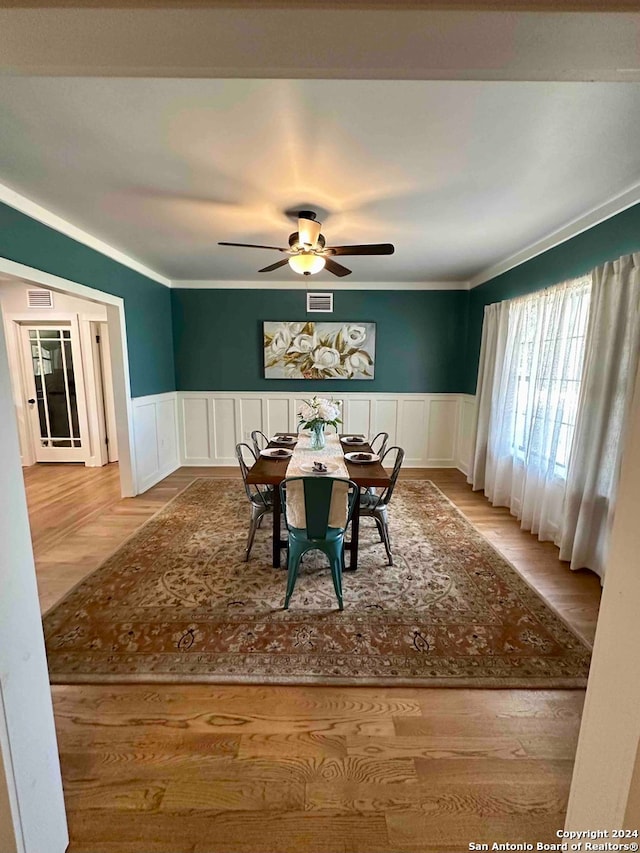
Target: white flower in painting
[294, 328]
[357, 362]
[354, 335]
[325, 357]
[281, 341]
[303, 343]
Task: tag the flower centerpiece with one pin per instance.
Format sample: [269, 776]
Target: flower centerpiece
[315, 414]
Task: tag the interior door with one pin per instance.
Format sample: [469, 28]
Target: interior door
[55, 387]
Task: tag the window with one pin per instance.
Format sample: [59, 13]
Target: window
[549, 331]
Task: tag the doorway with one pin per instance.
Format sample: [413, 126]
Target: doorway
[69, 372]
[54, 381]
[61, 375]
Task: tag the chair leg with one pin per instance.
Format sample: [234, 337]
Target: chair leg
[294, 558]
[253, 526]
[387, 542]
[336, 574]
[379, 526]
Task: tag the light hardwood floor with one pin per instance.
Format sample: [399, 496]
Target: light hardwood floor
[220, 769]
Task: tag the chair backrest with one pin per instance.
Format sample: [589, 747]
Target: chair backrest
[246, 458]
[379, 443]
[260, 441]
[385, 496]
[317, 495]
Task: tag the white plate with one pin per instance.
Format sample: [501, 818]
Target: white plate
[373, 457]
[276, 453]
[353, 440]
[307, 467]
[284, 439]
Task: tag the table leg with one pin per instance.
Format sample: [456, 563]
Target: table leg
[355, 533]
[276, 528]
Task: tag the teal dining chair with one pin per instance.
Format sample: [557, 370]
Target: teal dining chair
[317, 493]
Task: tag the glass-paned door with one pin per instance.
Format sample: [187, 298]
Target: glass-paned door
[56, 393]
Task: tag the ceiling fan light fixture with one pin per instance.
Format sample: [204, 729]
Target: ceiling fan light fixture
[308, 232]
[306, 263]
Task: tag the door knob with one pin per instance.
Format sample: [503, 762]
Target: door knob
[31, 400]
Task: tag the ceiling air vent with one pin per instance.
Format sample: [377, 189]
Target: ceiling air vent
[320, 302]
[39, 299]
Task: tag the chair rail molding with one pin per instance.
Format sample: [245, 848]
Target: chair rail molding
[433, 429]
[155, 430]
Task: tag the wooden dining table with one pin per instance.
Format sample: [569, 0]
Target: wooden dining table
[272, 472]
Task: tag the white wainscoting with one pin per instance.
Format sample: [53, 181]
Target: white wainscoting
[432, 428]
[155, 430]
[466, 429]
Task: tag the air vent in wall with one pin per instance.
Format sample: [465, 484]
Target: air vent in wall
[39, 299]
[322, 302]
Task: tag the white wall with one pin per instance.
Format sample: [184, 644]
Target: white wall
[603, 775]
[155, 431]
[434, 429]
[13, 301]
[30, 769]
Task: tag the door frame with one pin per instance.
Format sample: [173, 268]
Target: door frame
[21, 385]
[119, 364]
[105, 428]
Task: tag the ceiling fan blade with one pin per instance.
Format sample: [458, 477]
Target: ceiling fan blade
[275, 266]
[370, 249]
[253, 246]
[336, 269]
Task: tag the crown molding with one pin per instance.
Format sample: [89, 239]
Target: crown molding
[616, 205]
[36, 211]
[577, 226]
[314, 284]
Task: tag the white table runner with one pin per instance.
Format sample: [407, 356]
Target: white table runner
[331, 455]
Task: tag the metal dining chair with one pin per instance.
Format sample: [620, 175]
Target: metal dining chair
[376, 506]
[317, 492]
[260, 497]
[260, 441]
[378, 443]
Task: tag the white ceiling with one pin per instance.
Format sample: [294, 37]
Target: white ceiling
[459, 175]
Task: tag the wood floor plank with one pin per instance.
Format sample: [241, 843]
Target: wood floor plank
[303, 769]
[466, 725]
[252, 795]
[294, 701]
[415, 831]
[489, 799]
[480, 771]
[234, 831]
[89, 794]
[437, 747]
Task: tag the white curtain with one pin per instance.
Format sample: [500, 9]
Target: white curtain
[492, 348]
[528, 391]
[613, 349]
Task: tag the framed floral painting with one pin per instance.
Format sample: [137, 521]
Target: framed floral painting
[310, 350]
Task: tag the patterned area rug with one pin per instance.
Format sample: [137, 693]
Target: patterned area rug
[177, 603]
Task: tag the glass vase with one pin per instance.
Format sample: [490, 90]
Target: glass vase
[317, 437]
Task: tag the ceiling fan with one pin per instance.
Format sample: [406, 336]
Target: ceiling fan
[308, 252]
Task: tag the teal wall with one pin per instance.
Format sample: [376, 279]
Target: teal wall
[147, 303]
[618, 236]
[196, 340]
[420, 338]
